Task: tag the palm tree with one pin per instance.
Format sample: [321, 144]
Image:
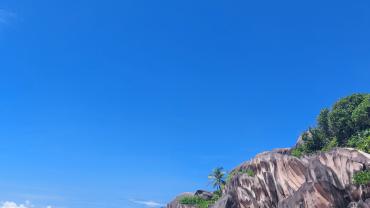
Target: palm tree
[218, 178]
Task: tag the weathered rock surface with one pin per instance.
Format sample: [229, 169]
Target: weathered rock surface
[226, 200]
[284, 181]
[204, 194]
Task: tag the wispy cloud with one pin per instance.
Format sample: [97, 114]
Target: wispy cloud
[11, 204]
[150, 204]
[6, 16]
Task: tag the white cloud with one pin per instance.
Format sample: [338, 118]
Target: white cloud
[10, 204]
[151, 204]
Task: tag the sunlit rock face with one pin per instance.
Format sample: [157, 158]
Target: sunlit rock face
[282, 180]
[278, 180]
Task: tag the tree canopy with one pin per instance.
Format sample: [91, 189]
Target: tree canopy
[346, 124]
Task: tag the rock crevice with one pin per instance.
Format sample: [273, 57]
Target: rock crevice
[283, 181]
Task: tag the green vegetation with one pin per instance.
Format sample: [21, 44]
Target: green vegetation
[217, 194]
[361, 141]
[218, 178]
[346, 124]
[298, 151]
[362, 177]
[195, 200]
[190, 200]
[250, 172]
[200, 202]
[330, 145]
[230, 176]
[233, 173]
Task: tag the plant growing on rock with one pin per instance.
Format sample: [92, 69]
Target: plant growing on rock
[233, 173]
[250, 172]
[200, 202]
[196, 201]
[298, 151]
[362, 177]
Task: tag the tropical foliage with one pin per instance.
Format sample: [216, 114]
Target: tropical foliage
[361, 141]
[346, 124]
[217, 178]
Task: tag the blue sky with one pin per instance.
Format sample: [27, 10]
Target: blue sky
[124, 104]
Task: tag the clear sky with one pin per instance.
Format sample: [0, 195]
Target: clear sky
[113, 104]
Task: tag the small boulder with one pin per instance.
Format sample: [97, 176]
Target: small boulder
[206, 195]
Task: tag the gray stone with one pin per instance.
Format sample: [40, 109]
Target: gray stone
[282, 180]
[204, 194]
[226, 201]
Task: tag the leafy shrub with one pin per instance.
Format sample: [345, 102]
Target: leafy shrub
[198, 201]
[298, 151]
[361, 115]
[217, 194]
[362, 177]
[250, 172]
[233, 173]
[314, 140]
[330, 145]
[361, 141]
[190, 200]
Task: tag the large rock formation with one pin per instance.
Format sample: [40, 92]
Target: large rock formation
[284, 181]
